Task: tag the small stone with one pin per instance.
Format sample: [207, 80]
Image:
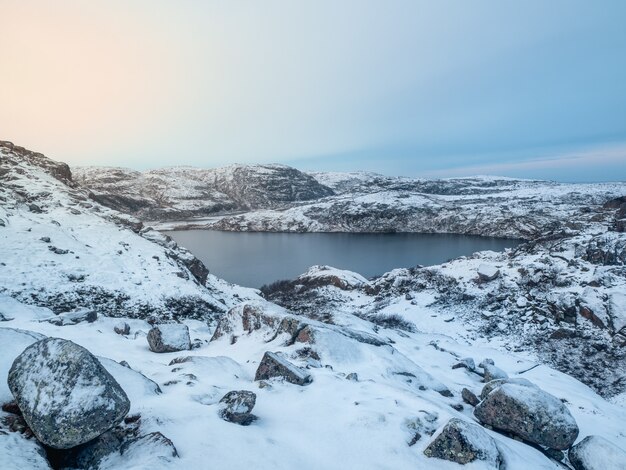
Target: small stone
[122, 328]
[236, 407]
[352, 376]
[469, 397]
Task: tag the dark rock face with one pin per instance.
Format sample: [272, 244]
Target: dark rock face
[236, 407]
[274, 366]
[169, 338]
[66, 396]
[529, 413]
[596, 453]
[464, 442]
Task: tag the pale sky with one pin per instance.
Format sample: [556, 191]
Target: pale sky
[530, 88]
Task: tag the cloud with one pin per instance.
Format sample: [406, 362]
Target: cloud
[607, 156]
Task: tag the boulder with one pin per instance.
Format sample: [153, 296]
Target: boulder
[596, 453]
[66, 396]
[463, 442]
[529, 413]
[150, 451]
[236, 407]
[467, 363]
[487, 272]
[274, 366]
[169, 337]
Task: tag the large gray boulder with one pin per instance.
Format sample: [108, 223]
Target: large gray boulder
[596, 453]
[66, 396]
[274, 366]
[463, 442]
[169, 337]
[530, 413]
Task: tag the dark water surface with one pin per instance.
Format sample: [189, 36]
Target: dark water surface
[256, 258]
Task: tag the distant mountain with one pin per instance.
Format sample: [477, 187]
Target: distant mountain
[181, 192]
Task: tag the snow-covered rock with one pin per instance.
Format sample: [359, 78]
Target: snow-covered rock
[274, 366]
[236, 407]
[170, 337]
[487, 272]
[530, 413]
[463, 442]
[596, 453]
[66, 396]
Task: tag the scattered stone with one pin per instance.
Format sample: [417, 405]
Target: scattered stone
[122, 328]
[45, 239]
[352, 376]
[169, 337]
[457, 407]
[236, 407]
[416, 437]
[463, 442]
[596, 453]
[469, 397]
[74, 317]
[467, 363]
[58, 251]
[34, 208]
[274, 366]
[529, 413]
[66, 396]
[487, 273]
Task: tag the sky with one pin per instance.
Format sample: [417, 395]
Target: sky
[529, 88]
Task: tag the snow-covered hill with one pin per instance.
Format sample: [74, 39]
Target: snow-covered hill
[282, 199]
[175, 193]
[60, 249]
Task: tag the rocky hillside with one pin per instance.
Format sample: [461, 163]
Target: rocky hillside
[61, 249]
[282, 199]
[119, 350]
[178, 193]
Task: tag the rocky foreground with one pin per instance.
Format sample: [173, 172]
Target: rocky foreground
[119, 350]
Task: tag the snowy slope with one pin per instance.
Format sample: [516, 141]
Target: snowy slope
[333, 422]
[62, 250]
